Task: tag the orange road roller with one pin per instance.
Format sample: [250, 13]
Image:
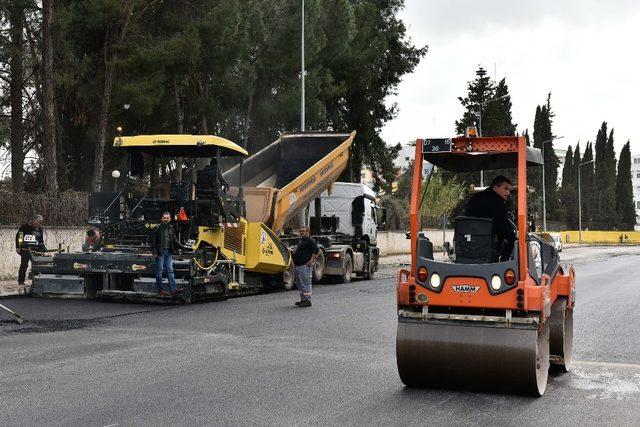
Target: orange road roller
[483, 318]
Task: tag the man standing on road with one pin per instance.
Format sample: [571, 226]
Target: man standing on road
[28, 236]
[163, 244]
[304, 258]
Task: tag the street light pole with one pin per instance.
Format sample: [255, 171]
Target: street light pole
[580, 202]
[544, 196]
[302, 103]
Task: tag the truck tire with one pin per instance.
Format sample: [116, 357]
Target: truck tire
[373, 266]
[348, 268]
[288, 278]
[318, 267]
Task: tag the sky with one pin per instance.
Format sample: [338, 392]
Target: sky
[583, 52]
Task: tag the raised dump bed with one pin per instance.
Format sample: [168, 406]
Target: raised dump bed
[284, 177]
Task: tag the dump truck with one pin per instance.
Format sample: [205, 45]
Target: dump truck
[228, 231]
[482, 322]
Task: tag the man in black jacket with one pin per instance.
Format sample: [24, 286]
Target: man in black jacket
[163, 245]
[491, 203]
[29, 235]
[304, 258]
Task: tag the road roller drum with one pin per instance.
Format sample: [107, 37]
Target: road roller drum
[463, 355]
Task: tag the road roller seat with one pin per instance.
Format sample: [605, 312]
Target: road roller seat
[475, 240]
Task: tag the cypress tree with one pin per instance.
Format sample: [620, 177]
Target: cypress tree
[543, 135]
[573, 181]
[602, 181]
[587, 187]
[567, 190]
[625, 209]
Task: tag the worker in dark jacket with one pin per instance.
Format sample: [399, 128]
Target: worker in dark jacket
[491, 203]
[164, 245]
[304, 258]
[29, 235]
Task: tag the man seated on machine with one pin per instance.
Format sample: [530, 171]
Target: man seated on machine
[210, 178]
[491, 203]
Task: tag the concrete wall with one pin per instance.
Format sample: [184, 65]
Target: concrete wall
[390, 243]
[611, 237]
[10, 260]
[396, 242]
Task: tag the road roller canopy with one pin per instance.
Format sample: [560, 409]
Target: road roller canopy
[466, 154]
[180, 145]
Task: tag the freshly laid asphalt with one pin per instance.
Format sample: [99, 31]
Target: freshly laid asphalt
[260, 360]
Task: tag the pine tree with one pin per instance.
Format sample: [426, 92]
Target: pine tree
[625, 209]
[488, 107]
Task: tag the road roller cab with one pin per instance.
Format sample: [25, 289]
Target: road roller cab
[480, 320]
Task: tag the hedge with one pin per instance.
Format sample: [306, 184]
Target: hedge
[68, 208]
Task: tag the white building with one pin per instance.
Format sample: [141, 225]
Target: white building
[635, 181]
[561, 154]
[405, 156]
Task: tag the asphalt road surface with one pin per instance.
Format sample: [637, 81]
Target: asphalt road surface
[259, 360]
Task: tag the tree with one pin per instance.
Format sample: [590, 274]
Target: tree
[543, 140]
[50, 160]
[16, 20]
[587, 186]
[573, 220]
[567, 190]
[491, 102]
[625, 207]
[605, 183]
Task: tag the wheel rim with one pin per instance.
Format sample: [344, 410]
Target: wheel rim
[348, 268]
[318, 267]
[287, 279]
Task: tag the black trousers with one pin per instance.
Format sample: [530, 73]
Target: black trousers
[25, 257]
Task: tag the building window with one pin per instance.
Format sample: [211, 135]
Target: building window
[636, 160]
[637, 203]
[637, 176]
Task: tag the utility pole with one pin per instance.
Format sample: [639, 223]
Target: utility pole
[302, 103]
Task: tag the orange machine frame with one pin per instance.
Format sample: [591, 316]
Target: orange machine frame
[536, 297]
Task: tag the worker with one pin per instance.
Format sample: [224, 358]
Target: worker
[92, 241]
[491, 203]
[29, 235]
[304, 258]
[209, 175]
[163, 245]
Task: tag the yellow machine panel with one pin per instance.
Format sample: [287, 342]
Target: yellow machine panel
[251, 244]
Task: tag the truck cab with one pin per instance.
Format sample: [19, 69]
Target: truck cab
[355, 207]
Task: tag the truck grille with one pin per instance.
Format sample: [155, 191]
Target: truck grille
[234, 238]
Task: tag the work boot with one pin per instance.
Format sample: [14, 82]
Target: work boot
[298, 303]
[305, 303]
[176, 291]
[163, 293]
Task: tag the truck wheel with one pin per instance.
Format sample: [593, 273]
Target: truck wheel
[318, 267]
[288, 278]
[373, 266]
[348, 268]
